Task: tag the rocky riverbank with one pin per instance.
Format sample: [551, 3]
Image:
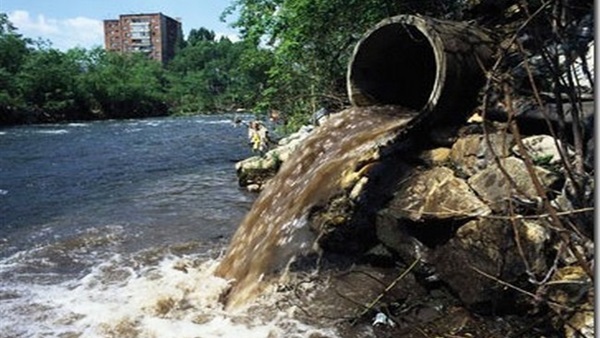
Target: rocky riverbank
[485, 221]
[255, 171]
[477, 229]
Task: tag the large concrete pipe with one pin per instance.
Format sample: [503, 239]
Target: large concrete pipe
[420, 63]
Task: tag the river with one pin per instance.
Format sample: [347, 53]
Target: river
[114, 229]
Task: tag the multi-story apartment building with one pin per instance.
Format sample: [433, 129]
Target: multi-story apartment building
[154, 34]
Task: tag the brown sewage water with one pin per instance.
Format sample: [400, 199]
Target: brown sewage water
[276, 230]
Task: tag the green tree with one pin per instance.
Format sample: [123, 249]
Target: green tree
[199, 35]
[211, 76]
[208, 75]
[14, 49]
[125, 86]
[48, 83]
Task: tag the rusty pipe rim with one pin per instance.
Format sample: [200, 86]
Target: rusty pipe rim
[406, 24]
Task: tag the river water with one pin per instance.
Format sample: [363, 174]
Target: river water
[114, 229]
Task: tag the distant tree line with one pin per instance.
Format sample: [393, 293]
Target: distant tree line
[41, 84]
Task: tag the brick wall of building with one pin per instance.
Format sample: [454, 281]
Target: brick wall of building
[155, 35]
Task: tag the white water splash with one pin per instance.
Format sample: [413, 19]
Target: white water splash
[53, 131]
[78, 124]
[139, 297]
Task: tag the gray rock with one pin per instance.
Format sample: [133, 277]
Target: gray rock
[436, 194]
[494, 188]
[394, 235]
[534, 237]
[301, 134]
[471, 153]
[253, 172]
[436, 156]
[571, 287]
[543, 149]
[582, 323]
[481, 251]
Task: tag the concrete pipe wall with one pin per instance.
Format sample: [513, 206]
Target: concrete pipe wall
[419, 63]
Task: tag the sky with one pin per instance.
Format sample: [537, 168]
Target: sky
[78, 23]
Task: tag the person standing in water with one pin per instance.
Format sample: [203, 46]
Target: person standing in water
[259, 137]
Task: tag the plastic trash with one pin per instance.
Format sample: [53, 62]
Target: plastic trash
[382, 319]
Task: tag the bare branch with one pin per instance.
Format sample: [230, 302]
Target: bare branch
[516, 288]
[387, 289]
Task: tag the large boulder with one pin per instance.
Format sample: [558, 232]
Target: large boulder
[423, 211]
[472, 153]
[484, 255]
[436, 194]
[495, 188]
[255, 171]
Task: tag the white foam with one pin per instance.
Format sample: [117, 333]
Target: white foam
[53, 131]
[176, 297]
[216, 122]
[132, 130]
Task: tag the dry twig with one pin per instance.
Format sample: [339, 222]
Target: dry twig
[516, 288]
[370, 306]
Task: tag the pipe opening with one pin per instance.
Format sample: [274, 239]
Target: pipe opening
[395, 65]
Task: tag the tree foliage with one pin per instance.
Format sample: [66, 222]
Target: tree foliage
[201, 34]
[52, 86]
[42, 84]
[210, 75]
[125, 86]
[47, 82]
